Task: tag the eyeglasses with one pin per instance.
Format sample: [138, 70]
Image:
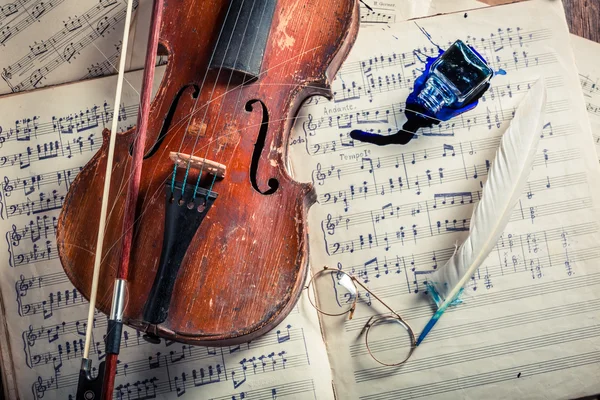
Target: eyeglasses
[389, 339]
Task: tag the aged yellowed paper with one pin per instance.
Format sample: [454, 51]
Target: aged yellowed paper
[528, 327]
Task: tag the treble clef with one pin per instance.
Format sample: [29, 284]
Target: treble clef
[309, 127]
[15, 236]
[330, 226]
[7, 188]
[39, 389]
[22, 287]
[319, 176]
[31, 337]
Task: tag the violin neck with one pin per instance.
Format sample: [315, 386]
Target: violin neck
[249, 22]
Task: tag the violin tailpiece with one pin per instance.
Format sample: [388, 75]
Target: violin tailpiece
[182, 219]
[203, 164]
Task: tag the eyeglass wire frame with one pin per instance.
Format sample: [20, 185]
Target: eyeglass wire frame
[373, 320]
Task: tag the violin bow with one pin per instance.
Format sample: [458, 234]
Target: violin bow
[102, 386]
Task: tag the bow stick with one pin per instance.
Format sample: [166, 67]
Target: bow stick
[102, 386]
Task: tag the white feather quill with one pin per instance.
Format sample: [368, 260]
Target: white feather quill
[506, 181]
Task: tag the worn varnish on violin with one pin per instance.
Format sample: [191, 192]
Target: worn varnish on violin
[219, 251]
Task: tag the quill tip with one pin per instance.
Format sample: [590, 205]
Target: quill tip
[430, 325]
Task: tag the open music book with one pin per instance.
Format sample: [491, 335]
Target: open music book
[528, 326]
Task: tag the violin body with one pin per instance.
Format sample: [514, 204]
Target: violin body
[245, 265]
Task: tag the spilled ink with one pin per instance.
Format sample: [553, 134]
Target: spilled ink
[450, 84]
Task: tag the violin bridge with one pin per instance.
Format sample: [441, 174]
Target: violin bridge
[203, 164]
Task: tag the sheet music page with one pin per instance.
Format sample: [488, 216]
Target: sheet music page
[385, 12]
[529, 324]
[50, 42]
[587, 58]
[46, 138]
[375, 12]
[442, 6]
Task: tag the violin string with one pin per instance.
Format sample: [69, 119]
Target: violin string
[210, 188]
[189, 163]
[115, 68]
[197, 99]
[240, 90]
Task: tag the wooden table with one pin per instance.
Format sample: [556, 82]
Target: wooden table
[583, 17]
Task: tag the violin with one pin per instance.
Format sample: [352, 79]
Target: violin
[203, 235]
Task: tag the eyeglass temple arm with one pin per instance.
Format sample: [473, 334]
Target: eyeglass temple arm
[374, 295]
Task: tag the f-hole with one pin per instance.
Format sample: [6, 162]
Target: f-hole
[258, 149]
[167, 121]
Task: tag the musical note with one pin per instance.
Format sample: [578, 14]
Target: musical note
[448, 147]
[283, 338]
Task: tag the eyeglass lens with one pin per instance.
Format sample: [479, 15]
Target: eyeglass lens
[389, 340]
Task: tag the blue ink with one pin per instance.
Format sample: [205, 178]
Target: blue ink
[438, 313]
[429, 325]
[450, 84]
[434, 294]
[500, 72]
[428, 36]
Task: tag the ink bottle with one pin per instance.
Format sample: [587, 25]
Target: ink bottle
[455, 78]
[450, 85]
